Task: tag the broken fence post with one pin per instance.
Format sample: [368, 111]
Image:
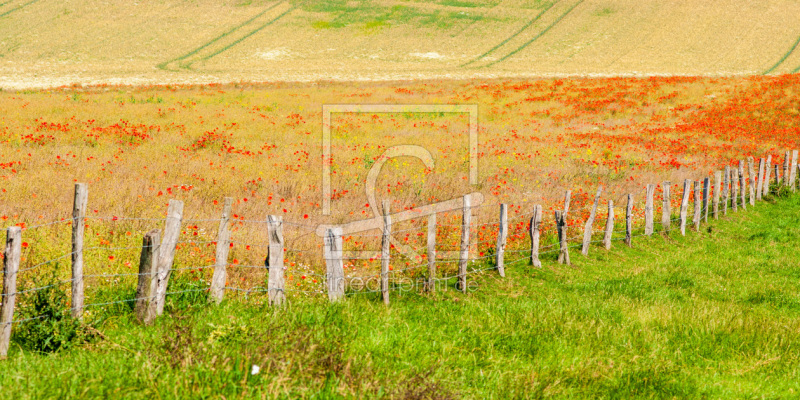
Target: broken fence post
[145, 304]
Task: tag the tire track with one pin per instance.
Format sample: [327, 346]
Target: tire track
[524, 45]
[3, 14]
[785, 56]
[211, 48]
[517, 33]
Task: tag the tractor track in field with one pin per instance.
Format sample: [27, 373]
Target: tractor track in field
[785, 56]
[226, 40]
[519, 32]
[21, 6]
[535, 38]
[514, 35]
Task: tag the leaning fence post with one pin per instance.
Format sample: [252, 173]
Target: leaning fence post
[567, 197]
[11, 258]
[717, 192]
[685, 205]
[431, 252]
[333, 261]
[561, 227]
[536, 220]
[777, 175]
[217, 287]
[698, 205]
[648, 210]
[793, 170]
[666, 207]
[502, 234]
[78, 227]
[706, 183]
[609, 225]
[587, 229]
[145, 305]
[629, 221]
[385, 252]
[275, 284]
[742, 185]
[760, 181]
[767, 175]
[466, 218]
[172, 230]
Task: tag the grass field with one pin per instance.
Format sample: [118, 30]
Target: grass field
[710, 315]
[47, 44]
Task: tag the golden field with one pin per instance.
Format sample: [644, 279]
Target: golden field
[47, 44]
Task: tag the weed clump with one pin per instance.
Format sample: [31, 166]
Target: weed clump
[48, 324]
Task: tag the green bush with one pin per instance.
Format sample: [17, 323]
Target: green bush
[50, 326]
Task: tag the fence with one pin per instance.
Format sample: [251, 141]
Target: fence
[731, 189]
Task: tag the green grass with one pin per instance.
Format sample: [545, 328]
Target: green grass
[715, 314]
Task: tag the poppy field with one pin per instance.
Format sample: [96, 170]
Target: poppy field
[137, 147]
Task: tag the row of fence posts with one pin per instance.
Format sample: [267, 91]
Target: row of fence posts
[158, 252]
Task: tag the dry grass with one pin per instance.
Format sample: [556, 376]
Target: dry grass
[138, 147]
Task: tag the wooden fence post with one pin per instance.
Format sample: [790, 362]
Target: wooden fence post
[717, 192]
[275, 283]
[166, 256]
[587, 229]
[145, 306]
[735, 189]
[742, 185]
[648, 210]
[726, 189]
[685, 205]
[760, 181]
[786, 160]
[11, 258]
[767, 176]
[561, 227]
[751, 180]
[666, 207]
[386, 252]
[777, 175]
[431, 253]
[629, 221]
[466, 218]
[609, 225]
[698, 205]
[217, 288]
[502, 234]
[536, 220]
[78, 227]
[793, 171]
[567, 198]
[335, 266]
[706, 183]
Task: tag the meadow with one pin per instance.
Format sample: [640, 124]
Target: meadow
[137, 147]
[261, 144]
